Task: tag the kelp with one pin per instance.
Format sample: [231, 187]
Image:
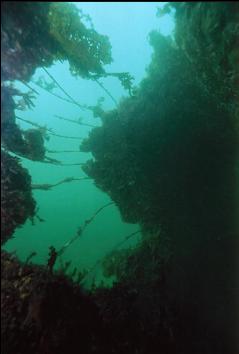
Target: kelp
[44, 130]
[81, 229]
[168, 158]
[32, 38]
[36, 35]
[86, 50]
[48, 186]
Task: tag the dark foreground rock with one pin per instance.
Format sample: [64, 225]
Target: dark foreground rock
[45, 313]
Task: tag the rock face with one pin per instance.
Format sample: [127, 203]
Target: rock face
[168, 157]
[17, 203]
[209, 36]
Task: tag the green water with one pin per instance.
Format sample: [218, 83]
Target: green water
[66, 207]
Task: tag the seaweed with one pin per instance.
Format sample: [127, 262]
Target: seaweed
[168, 158]
[40, 34]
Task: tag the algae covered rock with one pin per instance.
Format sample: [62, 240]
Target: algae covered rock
[17, 203]
[45, 313]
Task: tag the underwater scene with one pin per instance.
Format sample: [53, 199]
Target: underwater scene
[120, 177]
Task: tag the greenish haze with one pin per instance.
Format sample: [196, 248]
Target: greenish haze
[67, 206]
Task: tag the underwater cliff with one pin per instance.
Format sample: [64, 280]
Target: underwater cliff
[165, 158]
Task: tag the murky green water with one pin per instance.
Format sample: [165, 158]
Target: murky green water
[67, 206]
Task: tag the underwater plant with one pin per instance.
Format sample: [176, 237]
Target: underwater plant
[30, 40]
[36, 35]
[167, 156]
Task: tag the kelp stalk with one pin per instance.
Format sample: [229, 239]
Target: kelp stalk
[75, 121]
[48, 130]
[48, 186]
[61, 88]
[100, 261]
[81, 229]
